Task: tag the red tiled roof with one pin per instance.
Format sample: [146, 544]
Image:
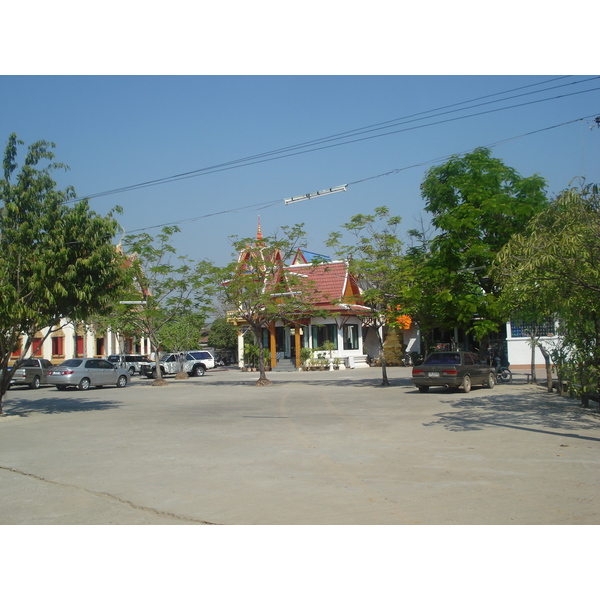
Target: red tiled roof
[333, 285]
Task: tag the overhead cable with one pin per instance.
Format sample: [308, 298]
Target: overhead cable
[392, 172]
[307, 147]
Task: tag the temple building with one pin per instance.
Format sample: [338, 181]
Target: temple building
[342, 334]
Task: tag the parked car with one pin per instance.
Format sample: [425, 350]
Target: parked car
[453, 369]
[195, 362]
[84, 373]
[205, 358]
[132, 362]
[32, 372]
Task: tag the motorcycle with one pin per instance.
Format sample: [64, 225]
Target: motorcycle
[503, 374]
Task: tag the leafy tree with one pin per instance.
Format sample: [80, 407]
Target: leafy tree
[375, 259]
[169, 286]
[57, 261]
[183, 332]
[222, 335]
[426, 296]
[261, 289]
[553, 268]
[118, 321]
[478, 203]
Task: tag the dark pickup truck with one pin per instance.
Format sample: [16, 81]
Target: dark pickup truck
[31, 372]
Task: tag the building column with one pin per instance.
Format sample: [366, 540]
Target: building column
[240, 349]
[272, 344]
[69, 343]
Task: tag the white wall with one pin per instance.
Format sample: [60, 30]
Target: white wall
[519, 350]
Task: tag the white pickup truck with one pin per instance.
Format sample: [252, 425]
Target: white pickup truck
[31, 372]
[195, 362]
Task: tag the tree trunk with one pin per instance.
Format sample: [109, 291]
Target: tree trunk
[483, 347]
[385, 380]
[158, 380]
[546, 356]
[262, 378]
[533, 345]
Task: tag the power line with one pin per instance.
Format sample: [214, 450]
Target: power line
[306, 147]
[266, 205]
[490, 145]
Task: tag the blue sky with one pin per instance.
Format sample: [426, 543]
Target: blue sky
[116, 131]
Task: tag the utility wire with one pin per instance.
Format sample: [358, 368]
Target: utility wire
[289, 150]
[393, 172]
[490, 145]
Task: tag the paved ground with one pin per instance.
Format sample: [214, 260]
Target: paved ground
[314, 448]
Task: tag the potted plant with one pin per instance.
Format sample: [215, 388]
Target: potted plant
[321, 361]
[251, 354]
[305, 357]
[329, 346]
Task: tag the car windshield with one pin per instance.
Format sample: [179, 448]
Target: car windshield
[71, 363]
[443, 358]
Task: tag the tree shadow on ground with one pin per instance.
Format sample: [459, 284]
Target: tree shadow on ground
[533, 410]
[21, 407]
[373, 382]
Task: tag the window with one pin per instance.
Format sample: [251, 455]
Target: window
[324, 333]
[443, 358]
[57, 346]
[266, 338]
[350, 337]
[36, 346]
[522, 329]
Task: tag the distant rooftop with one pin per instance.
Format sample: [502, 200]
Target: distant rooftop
[304, 257]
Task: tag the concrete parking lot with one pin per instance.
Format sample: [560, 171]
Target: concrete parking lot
[313, 448]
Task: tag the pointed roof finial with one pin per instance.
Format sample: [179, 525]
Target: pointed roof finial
[259, 231]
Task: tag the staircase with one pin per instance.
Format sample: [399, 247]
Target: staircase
[286, 364]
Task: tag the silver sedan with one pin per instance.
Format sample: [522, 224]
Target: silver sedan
[84, 373]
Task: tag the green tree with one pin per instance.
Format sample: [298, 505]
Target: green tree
[57, 260]
[259, 287]
[223, 335]
[425, 296]
[552, 268]
[376, 260]
[169, 287]
[183, 333]
[478, 203]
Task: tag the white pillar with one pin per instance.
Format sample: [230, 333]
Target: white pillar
[240, 349]
[69, 341]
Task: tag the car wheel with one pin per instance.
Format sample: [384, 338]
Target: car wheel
[84, 384]
[122, 381]
[506, 376]
[491, 380]
[199, 371]
[151, 374]
[131, 371]
[466, 384]
[423, 389]
[35, 384]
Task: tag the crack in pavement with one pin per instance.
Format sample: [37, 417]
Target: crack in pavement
[111, 496]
